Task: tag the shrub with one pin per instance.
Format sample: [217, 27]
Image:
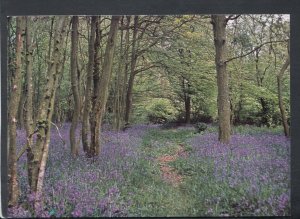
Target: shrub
[160, 111]
[200, 127]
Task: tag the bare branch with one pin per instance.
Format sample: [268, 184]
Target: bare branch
[59, 133]
[255, 49]
[231, 17]
[27, 145]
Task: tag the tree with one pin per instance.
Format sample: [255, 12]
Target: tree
[219, 23]
[101, 91]
[75, 85]
[38, 151]
[280, 99]
[13, 188]
[88, 90]
[132, 70]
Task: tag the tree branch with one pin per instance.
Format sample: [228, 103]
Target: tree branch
[255, 49]
[27, 145]
[231, 17]
[59, 133]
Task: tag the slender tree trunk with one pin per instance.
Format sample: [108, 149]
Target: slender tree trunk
[88, 91]
[187, 101]
[37, 153]
[29, 86]
[21, 107]
[263, 102]
[280, 100]
[126, 62]
[118, 85]
[47, 107]
[102, 91]
[219, 23]
[13, 187]
[132, 71]
[37, 84]
[75, 85]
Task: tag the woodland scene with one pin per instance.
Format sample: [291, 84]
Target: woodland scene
[149, 115]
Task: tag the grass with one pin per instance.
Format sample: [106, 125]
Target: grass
[201, 193]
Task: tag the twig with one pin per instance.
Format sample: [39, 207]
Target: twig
[59, 133]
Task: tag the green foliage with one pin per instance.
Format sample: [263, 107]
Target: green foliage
[160, 110]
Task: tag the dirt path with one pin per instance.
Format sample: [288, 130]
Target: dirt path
[169, 174]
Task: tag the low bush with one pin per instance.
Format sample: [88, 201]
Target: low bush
[200, 127]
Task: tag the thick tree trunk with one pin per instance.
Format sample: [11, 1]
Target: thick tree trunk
[103, 87]
[88, 91]
[75, 85]
[280, 100]
[219, 23]
[94, 124]
[13, 188]
[132, 72]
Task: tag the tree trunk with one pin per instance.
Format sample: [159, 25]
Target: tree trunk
[280, 100]
[74, 83]
[95, 125]
[219, 23]
[132, 72]
[47, 108]
[118, 86]
[103, 87]
[29, 88]
[13, 188]
[187, 101]
[37, 153]
[88, 91]
[29, 80]
[21, 107]
[126, 62]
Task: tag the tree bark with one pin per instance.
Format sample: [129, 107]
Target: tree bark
[126, 62]
[132, 71]
[37, 153]
[219, 23]
[280, 100]
[29, 80]
[13, 187]
[74, 83]
[29, 123]
[103, 87]
[118, 85]
[88, 91]
[187, 100]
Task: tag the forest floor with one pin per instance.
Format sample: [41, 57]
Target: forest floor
[150, 171]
